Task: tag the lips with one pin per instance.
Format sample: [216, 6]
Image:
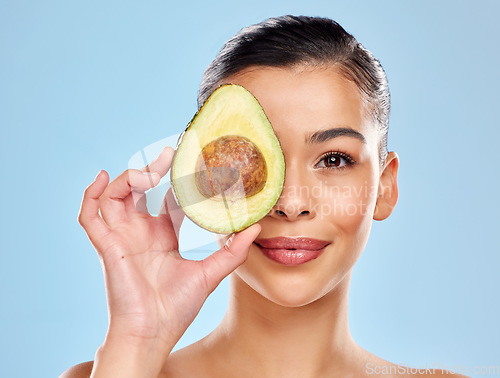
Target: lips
[291, 251]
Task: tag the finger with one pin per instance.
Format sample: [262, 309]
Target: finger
[139, 202]
[162, 163]
[89, 216]
[222, 262]
[116, 198]
[173, 211]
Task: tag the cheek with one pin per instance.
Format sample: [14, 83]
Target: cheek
[348, 212]
[347, 206]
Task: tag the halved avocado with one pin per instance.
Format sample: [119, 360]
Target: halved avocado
[229, 169]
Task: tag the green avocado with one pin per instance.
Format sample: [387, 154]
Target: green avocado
[229, 169]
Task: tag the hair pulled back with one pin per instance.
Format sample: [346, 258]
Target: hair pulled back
[293, 40]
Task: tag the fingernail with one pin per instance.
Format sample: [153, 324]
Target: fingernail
[98, 175]
[229, 241]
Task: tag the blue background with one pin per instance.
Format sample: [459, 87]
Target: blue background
[84, 85]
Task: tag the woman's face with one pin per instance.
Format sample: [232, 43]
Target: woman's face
[331, 185]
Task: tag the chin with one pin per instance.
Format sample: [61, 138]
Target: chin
[283, 287]
[289, 291]
[297, 299]
[296, 286]
[282, 295]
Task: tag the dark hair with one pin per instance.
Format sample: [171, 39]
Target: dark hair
[289, 40]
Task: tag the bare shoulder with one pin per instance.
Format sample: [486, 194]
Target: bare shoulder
[187, 362]
[82, 370]
[191, 361]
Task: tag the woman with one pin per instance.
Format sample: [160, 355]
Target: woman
[328, 101]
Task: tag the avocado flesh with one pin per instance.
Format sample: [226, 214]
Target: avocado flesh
[237, 147]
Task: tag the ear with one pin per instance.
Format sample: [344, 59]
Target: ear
[387, 196]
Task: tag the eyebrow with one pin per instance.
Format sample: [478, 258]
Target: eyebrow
[324, 135]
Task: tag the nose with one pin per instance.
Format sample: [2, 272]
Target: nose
[295, 202]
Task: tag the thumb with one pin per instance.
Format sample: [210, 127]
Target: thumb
[222, 262]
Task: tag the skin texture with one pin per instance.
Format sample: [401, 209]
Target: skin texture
[282, 321]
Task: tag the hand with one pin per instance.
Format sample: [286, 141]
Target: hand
[153, 293]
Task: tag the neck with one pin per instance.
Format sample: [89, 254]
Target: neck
[309, 340]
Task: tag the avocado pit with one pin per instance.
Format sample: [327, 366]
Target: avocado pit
[225, 160]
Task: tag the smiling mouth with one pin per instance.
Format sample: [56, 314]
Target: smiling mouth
[291, 251]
